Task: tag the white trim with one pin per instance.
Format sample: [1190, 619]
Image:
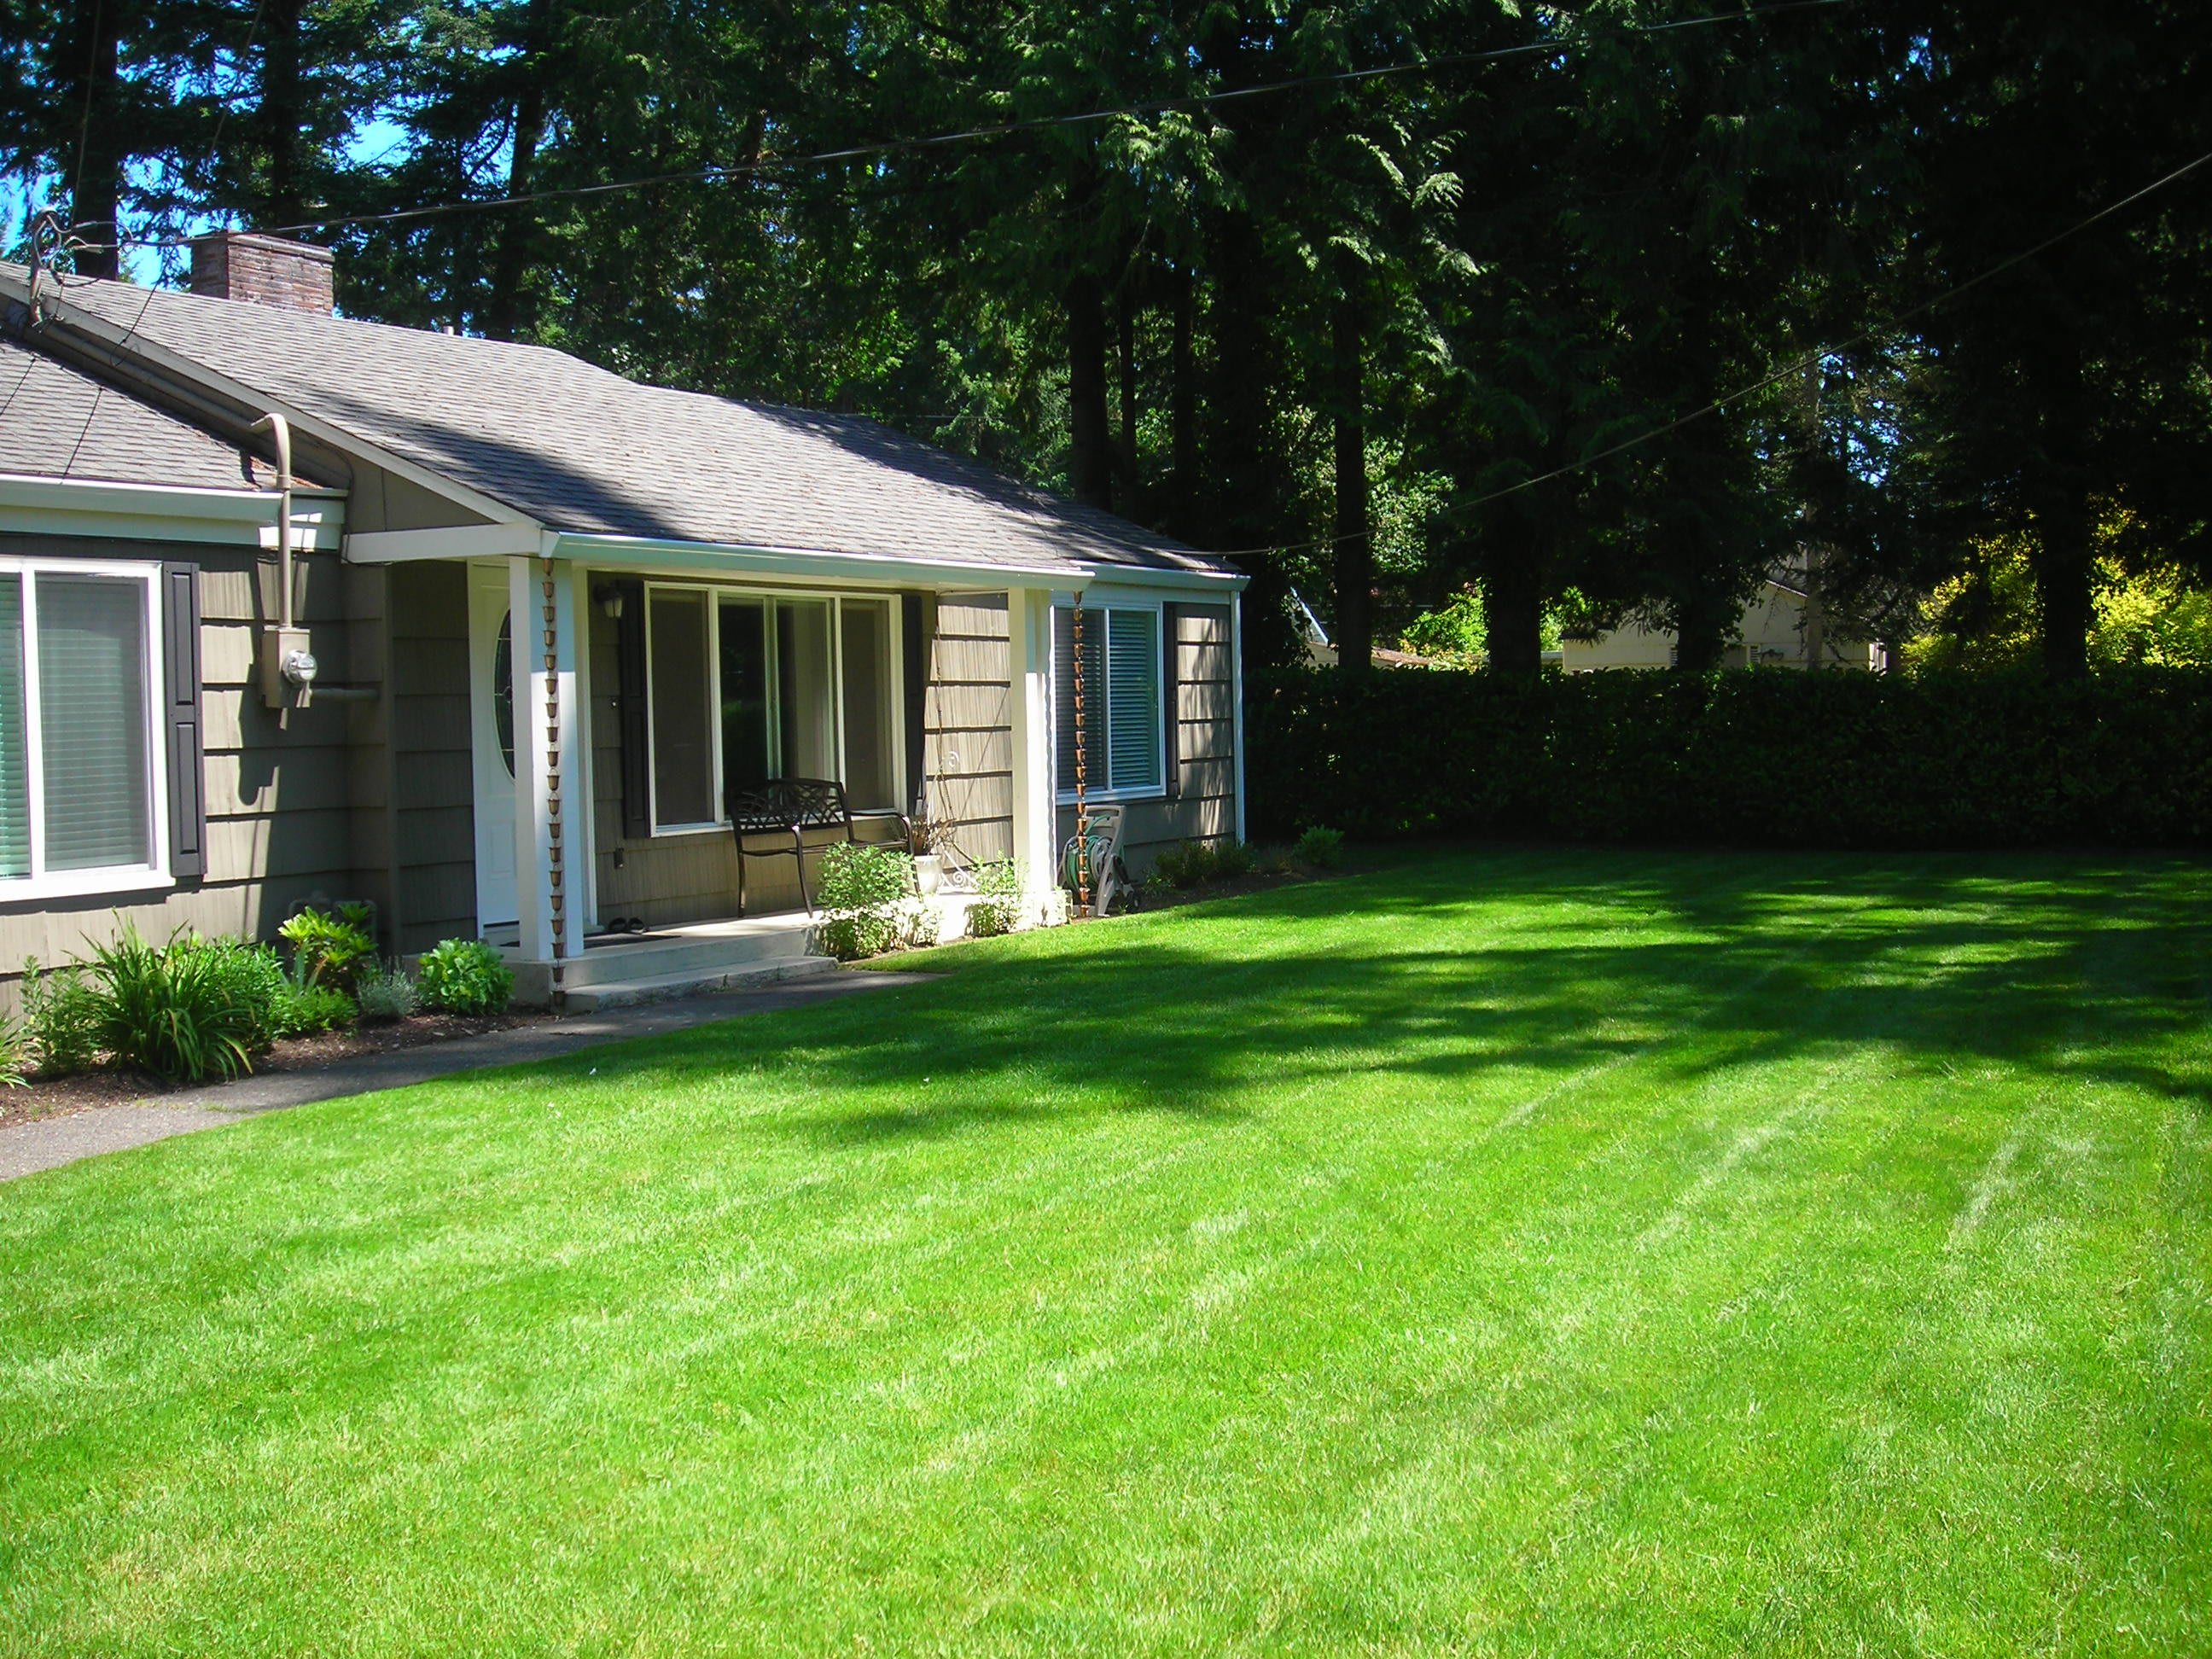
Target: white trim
[632, 552]
[584, 820]
[32, 504]
[464, 541]
[41, 882]
[1111, 795]
[1237, 673]
[717, 593]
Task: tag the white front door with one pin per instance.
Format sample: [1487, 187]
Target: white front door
[491, 720]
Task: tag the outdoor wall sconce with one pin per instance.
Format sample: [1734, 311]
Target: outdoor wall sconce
[609, 599]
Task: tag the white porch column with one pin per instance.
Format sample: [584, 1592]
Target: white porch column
[548, 808]
[1029, 685]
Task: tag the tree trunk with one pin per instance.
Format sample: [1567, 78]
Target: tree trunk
[1126, 451]
[1183, 396]
[1513, 610]
[2062, 561]
[285, 204]
[518, 225]
[1355, 552]
[1090, 459]
[1703, 622]
[96, 181]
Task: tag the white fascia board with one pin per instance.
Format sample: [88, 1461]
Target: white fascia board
[125, 343]
[475, 541]
[880, 568]
[37, 505]
[651, 553]
[1218, 582]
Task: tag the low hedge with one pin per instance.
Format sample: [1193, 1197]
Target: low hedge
[1761, 755]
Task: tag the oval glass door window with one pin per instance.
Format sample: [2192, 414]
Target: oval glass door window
[502, 689]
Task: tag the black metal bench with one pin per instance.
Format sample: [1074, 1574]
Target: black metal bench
[791, 806]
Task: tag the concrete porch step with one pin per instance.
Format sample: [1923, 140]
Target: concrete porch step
[629, 992]
[725, 945]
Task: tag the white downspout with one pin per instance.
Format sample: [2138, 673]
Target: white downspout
[274, 423]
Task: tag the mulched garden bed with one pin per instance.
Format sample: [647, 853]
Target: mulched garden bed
[52, 1097]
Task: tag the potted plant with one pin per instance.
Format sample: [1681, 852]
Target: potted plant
[932, 837]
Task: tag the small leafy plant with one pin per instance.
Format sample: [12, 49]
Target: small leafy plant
[864, 890]
[306, 1008]
[62, 1015]
[329, 949]
[15, 1053]
[1320, 849]
[1196, 863]
[384, 994]
[464, 976]
[998, 903]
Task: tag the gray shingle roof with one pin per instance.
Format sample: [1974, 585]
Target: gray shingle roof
[580, 449]
[57, 421]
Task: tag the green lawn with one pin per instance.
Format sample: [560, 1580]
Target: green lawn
[1555, 1252]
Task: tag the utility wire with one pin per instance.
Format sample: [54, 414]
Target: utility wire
[1871, 331]
[1006, 129]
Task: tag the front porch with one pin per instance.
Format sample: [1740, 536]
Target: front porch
[683, 959]
[612, 710]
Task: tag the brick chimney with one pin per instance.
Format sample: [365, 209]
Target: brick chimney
[244, 264]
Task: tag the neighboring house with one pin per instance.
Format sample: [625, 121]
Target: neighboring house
[553, 616]
[1782, 627]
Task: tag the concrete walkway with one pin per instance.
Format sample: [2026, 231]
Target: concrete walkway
[47, 1143]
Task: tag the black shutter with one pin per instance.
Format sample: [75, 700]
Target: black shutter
[913, 645]
[630, 675]
[187, 760]
[1170, 685]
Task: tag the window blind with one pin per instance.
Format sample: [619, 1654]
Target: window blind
[14, 763]
[1094, 696]
[1133, 693]
[92, 716]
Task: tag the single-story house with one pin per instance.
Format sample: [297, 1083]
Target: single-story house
[1783, 626]
[296, 607]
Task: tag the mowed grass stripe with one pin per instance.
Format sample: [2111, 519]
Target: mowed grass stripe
[1198, 1300]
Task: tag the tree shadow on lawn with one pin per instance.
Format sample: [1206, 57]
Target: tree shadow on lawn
[1570, 959]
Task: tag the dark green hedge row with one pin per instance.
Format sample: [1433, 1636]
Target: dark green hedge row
[1761, 756]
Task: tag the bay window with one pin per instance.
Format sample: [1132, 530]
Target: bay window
[743, 687]
[80, 726]
[1123, 752]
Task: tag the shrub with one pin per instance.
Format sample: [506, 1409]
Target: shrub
[2122, 758]
[1320, 849]
[62, 1015]
[185, 1011]
[330, 949]
[384, 993]
[1233, 860]
[864, 889]
[1187, 864]
[464, 976]
[306, 1008]
[252, 977]
[998, 905]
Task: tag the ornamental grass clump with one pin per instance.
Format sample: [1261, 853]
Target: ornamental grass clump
[186, 1011]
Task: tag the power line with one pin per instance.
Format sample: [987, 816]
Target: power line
[1871, 331]
[1006, 129]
